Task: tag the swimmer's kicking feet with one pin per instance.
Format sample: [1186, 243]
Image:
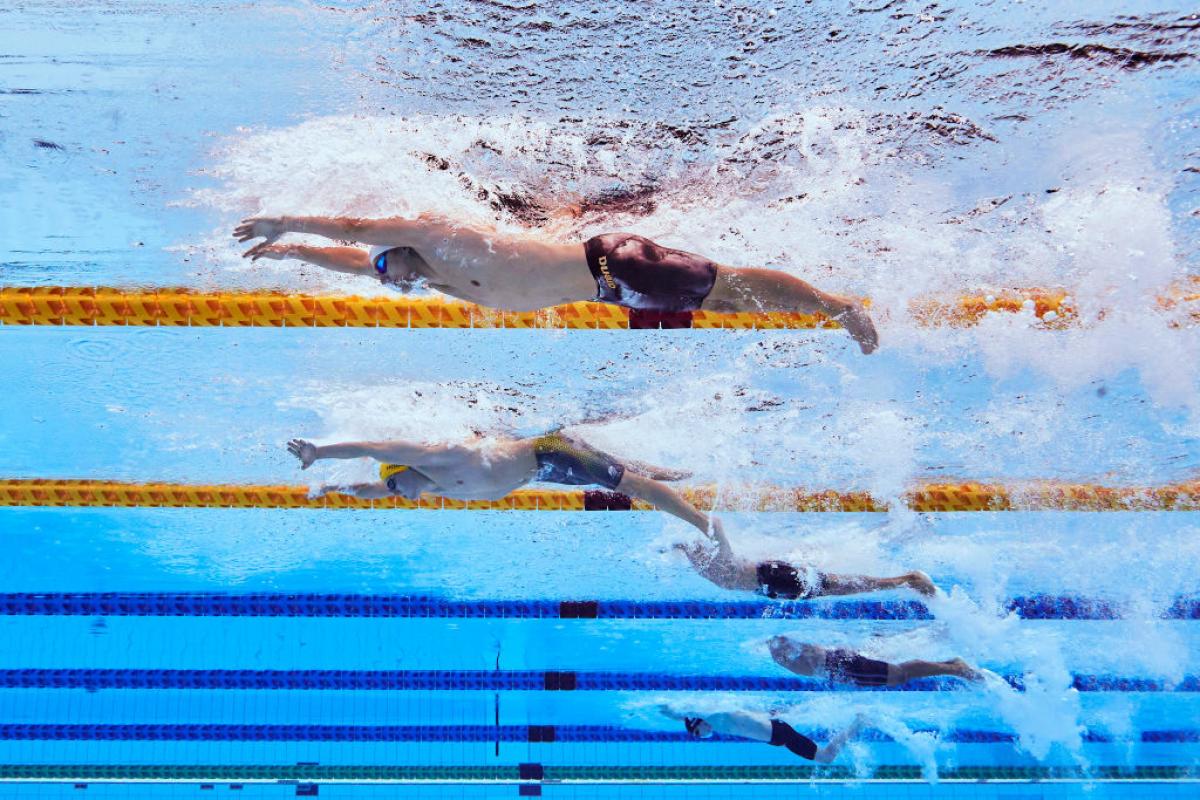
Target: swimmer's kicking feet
[846, 666]
[526, 273]
[783, 581]
[761, 728]
[491, 469]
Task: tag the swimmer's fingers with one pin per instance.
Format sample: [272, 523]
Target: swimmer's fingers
[302, 450]
[264, 250]
[253, 227]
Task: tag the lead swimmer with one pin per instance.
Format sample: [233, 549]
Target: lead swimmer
[525, 273]
[489, 469]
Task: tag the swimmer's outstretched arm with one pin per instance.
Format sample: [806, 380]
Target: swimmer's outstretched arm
[670, 713]
[367, 491]
[418, 232]
[352, 260]
[391, 452]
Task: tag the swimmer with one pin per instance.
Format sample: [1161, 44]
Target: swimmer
[845, 666]
[761, 728]
[524, 273]
[782, 581]
[491, 469]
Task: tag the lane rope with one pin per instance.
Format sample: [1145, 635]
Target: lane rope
[538, 734]
[350, 606]
[930, 497]
[515, 681]
[310, 774]
[81, 305]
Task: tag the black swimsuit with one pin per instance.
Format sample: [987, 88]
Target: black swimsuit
[634, 272]
[780, 580]
[846, 666]
[574, 463]
[784, 735]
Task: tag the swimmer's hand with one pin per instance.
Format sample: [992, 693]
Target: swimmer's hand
[269, 228]
[920, 583]
[276, 252]
[305, 451]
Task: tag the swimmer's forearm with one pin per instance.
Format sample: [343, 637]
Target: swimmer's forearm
[339, 259]
[347, 450]
[365, 491]
[389, 231]
[395, 452]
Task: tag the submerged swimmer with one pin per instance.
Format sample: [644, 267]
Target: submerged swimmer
[491, 469]
[783, 581]
[526, 274]
[762, 728]
[845, 666]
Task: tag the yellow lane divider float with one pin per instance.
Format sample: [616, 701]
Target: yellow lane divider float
[66, 305]
[1030, 496]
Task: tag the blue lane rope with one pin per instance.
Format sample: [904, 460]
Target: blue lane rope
[507, 680]
[186, 604]
[473, 733]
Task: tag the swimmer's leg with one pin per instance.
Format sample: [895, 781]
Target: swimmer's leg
[911, 670]
[858, 584]
[351, 260]
[752, 289]
[657, 473]
[664, 498]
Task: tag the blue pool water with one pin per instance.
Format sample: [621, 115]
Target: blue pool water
[893, 149]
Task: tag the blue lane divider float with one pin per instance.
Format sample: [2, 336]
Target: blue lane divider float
[187, 604]
[508, 681]
[474, 733]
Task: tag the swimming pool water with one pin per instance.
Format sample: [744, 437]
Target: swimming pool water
[893, 149]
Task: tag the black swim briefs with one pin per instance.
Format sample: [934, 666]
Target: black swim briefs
[784, 735]
[634, 272]
[575, 463]
[846, 666]
[781, 581]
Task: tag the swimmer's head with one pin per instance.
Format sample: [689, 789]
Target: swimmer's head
[697, 727]
[397, 266]
[404, 481]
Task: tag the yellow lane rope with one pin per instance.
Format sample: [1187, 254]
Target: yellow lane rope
[1031, 496]
[67, 305]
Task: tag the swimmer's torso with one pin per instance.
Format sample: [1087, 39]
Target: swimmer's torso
[485, 470]
[495, 272]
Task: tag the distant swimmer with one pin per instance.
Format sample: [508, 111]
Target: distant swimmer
[845, 666]
[525, 273]
[783, 581]
[762, 728]
[491, 468]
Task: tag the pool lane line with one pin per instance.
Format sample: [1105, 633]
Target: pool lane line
[511, 681]
[551, 774]
[270, 604]
[182, 307]
[536, 734]
[1045, 495]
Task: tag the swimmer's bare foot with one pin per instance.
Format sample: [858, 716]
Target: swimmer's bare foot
[920, 583]
[858, 324]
